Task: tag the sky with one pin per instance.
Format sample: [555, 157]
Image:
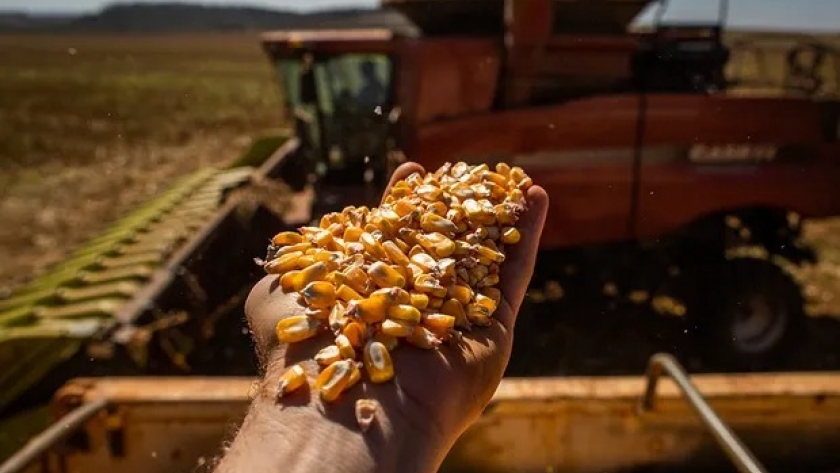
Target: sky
[766, 14]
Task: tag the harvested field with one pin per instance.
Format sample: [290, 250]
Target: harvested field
[94, 125]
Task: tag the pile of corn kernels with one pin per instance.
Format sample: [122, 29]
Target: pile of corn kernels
[418, 269]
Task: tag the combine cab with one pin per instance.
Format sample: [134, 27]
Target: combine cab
[663, 180]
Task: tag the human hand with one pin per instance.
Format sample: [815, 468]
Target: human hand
[436, 394]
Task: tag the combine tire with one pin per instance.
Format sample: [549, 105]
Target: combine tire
[751, 316]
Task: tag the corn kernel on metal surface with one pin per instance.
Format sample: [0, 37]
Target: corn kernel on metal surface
[415, 271]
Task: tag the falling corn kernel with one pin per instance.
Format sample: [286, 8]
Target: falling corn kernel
[365, 413]
[291, 380]
[411, 271]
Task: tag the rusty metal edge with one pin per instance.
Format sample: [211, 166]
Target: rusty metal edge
[210, 389]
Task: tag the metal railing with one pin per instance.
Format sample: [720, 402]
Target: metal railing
[737, 452]
[42, 442]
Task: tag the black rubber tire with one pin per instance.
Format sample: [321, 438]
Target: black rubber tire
[750, 316]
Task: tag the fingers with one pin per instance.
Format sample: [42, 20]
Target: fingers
[402, 172]
[518, 267]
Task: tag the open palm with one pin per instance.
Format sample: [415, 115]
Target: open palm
[442, 391]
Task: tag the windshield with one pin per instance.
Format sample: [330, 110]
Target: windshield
[348, 123]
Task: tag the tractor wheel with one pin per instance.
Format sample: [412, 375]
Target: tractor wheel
[751, 316]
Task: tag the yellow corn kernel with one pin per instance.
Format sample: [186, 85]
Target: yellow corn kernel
[438, 321]
[431, 222]
[472, 209]
[428, 284]
[489, 253]
[323, 239]
[286, 238]
[395, 254]
[404, 312]
[505, 214]
[287, 280]
[328, 219]
[422, 337]
[345, 348]
[330, 258]
[292, 379]
[378, 362]
[352, 234]
[390, 342]
[478, 315]
[396, 328]
[437, 243]
[419, 300]
[403, 207]
[372, 246]
[385, 276]
[482, 233]
[409, 235]
[403, 246]
[436, 302]
[328, 355]
[355, 333]
[347, 293]
[489, 280]
[424, 261]
[510, 236]
[338, 317]
[319, 294]
[333, 379]
[370, 310]
[302, 247]
[393, 295]
[516, 196]
[405, 271]
[428, 192]
[283, 264]
[462, 248]
[306, 260]
[455, 309]
[296, 328]
[495, 178]
[356, 278]
[461, 293]
[313, 272]
[355, 376]
[486, 302]
[503, 169]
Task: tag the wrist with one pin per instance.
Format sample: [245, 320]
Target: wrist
[301, 433]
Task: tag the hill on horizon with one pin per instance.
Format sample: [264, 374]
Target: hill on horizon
[182, 17]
